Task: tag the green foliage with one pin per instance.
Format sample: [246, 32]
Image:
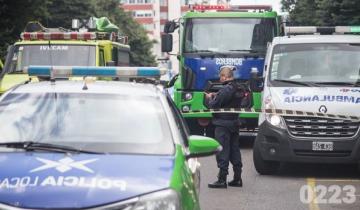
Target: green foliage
[140, 44]
[63, 11]
[58, 13]
[14, 16]
[323, 12]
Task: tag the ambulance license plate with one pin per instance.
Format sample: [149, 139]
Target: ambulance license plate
[322, 146]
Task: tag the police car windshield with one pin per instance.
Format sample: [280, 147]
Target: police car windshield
[109, 123]
[54, 54]
[230, 35]
[321, 64]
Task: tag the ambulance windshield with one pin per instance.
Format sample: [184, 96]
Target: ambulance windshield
[316, 63]
[60, 55]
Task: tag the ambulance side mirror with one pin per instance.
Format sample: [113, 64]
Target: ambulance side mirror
[256, 83]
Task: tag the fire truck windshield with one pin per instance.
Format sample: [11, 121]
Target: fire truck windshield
[228, 35]
[61, 55]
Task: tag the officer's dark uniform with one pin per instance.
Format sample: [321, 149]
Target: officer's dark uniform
[227, 133]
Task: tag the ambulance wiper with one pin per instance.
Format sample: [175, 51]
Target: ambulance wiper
[336, 83]
[32, 145]
[309, 84]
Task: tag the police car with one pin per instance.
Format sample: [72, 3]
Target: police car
[96, 144]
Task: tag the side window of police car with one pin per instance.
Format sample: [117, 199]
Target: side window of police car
[180, 122]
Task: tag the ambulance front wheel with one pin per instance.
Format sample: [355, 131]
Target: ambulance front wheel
[262, 166]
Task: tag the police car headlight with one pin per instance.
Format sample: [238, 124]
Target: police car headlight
[162, 200]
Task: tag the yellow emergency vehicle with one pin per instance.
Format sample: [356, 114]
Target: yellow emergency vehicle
[95, 42]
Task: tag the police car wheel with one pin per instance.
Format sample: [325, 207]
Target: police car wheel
[262, 166]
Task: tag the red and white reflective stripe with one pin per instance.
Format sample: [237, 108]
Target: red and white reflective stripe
[251, 7]
[58, 36]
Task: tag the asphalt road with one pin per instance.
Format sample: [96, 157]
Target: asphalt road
[333, 187]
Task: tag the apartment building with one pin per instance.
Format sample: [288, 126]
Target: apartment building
[153, 14]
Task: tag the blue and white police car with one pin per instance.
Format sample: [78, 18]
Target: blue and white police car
[96, 144]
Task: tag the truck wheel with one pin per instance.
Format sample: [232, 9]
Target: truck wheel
[262, 166]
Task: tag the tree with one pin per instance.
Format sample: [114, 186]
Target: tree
[323, 12]
[14, 16]
[139, 42]
[339, 12]
[302, 12]
[58, 13]
[63, 11]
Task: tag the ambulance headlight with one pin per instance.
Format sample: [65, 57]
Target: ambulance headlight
[162, 200]
[274, 119]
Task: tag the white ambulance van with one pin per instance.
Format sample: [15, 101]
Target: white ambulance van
[310, 73]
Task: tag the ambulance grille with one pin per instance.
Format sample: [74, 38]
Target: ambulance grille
[321, 127]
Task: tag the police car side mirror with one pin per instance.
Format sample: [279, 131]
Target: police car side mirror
[201, 146]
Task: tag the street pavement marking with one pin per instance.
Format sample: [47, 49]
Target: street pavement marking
[338, 180]
[313, 205]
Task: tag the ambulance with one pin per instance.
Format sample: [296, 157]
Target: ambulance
[93, 42]
[313, 72]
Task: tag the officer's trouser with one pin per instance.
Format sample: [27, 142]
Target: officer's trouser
[228, 137]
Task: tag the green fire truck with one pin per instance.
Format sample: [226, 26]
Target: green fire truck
[212, 36]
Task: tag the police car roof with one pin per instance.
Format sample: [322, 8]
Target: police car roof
[302, 39]
[105, 87]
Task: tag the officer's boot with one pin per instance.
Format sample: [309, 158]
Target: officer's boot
[221, 182]
[237, 181]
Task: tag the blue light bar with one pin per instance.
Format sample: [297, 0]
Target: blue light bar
[81, 71]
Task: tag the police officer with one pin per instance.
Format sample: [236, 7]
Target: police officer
[226, 129]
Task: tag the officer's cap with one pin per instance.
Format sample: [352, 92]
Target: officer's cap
[233, 68]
